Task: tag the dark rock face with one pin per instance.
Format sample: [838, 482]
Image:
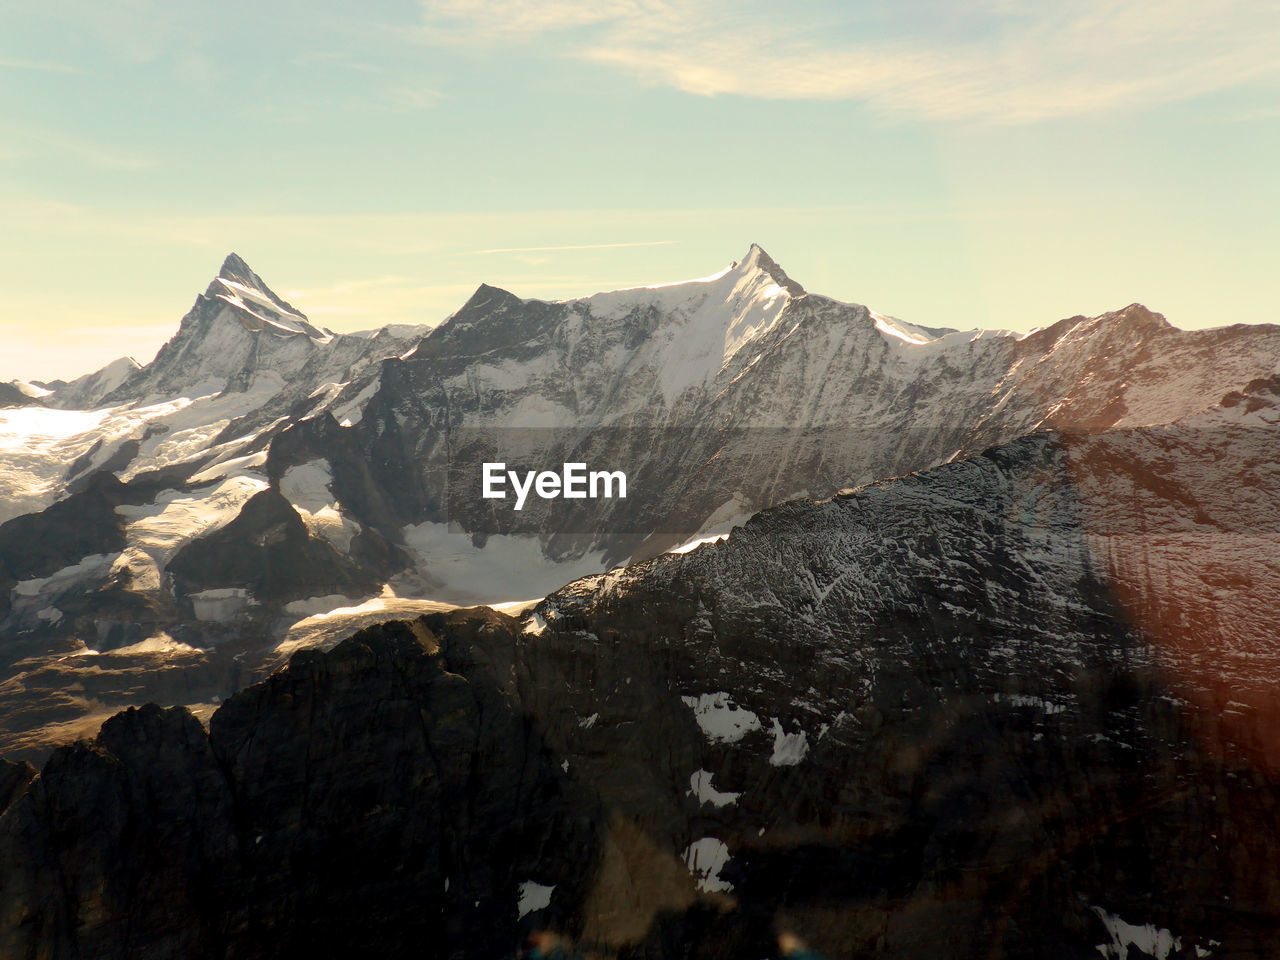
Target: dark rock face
[14, 777]
[946, 715]
[39, 544]
[268, 550]
[362, 801]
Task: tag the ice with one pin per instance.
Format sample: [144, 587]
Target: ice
[505, 568]
[36, 446]
[315, 606]
[221, 604]
[160, 643]
[161, 528]
[94, 565]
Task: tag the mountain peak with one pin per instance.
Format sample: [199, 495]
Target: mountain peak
[256, 304]
[757, 260]
[1137, 315]
[234, 268]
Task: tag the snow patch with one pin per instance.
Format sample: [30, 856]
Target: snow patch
[1023, 700]
[349, 413]
[457, 571]
[705, 859]
[91, 566]
[720, 720]
[317, 606]
[534, 896]
[788, 748]
[158, 530]
[219, 605]
[1151, 940]
[160, 643]
[308, 485]
[701, 788]
[697, 542]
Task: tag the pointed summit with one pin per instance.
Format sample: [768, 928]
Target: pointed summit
[234, 268]
[757, 260]
[256, 304]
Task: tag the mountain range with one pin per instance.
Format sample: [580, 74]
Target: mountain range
[909, 640]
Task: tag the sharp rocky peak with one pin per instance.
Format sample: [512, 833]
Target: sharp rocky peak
[255, 303]
[758, 261]
[1138, 318]
[234, 268]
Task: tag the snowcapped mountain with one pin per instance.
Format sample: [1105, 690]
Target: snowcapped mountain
[91, 390]
[717, 397]
[255, 439]
[976, 710]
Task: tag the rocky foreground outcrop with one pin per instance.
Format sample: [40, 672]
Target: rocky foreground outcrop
[368, 801]
[1016, 706]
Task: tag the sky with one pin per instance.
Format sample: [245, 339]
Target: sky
[983, 164]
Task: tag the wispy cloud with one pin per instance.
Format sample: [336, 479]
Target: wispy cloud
[483, 19]
[43, 66]
[1017, 63]
[27, 140]
[349, 286]
[335, 60]
[573, 246]
[408, 99]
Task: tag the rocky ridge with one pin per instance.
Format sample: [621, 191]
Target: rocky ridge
[975, 711]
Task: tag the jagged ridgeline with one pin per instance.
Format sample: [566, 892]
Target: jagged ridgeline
[977, 705]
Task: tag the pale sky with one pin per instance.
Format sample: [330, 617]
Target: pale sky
[994, 163]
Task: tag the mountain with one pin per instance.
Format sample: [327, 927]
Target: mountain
[979, 710]
[256, 440]
[18, 393]
[91, 390]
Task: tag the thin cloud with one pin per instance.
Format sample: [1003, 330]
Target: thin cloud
[44, 66]
[43, 142]
[487, 20]
[407, 99]
[572, 246]
[1020, 64]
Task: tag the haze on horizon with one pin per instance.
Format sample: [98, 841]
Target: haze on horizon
[991, 164]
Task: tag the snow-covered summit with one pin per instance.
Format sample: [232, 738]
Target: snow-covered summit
[86, 392]
[256, 305]
[240, 333]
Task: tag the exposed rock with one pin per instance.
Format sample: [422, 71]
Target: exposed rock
[268, 550]
[938, 715]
